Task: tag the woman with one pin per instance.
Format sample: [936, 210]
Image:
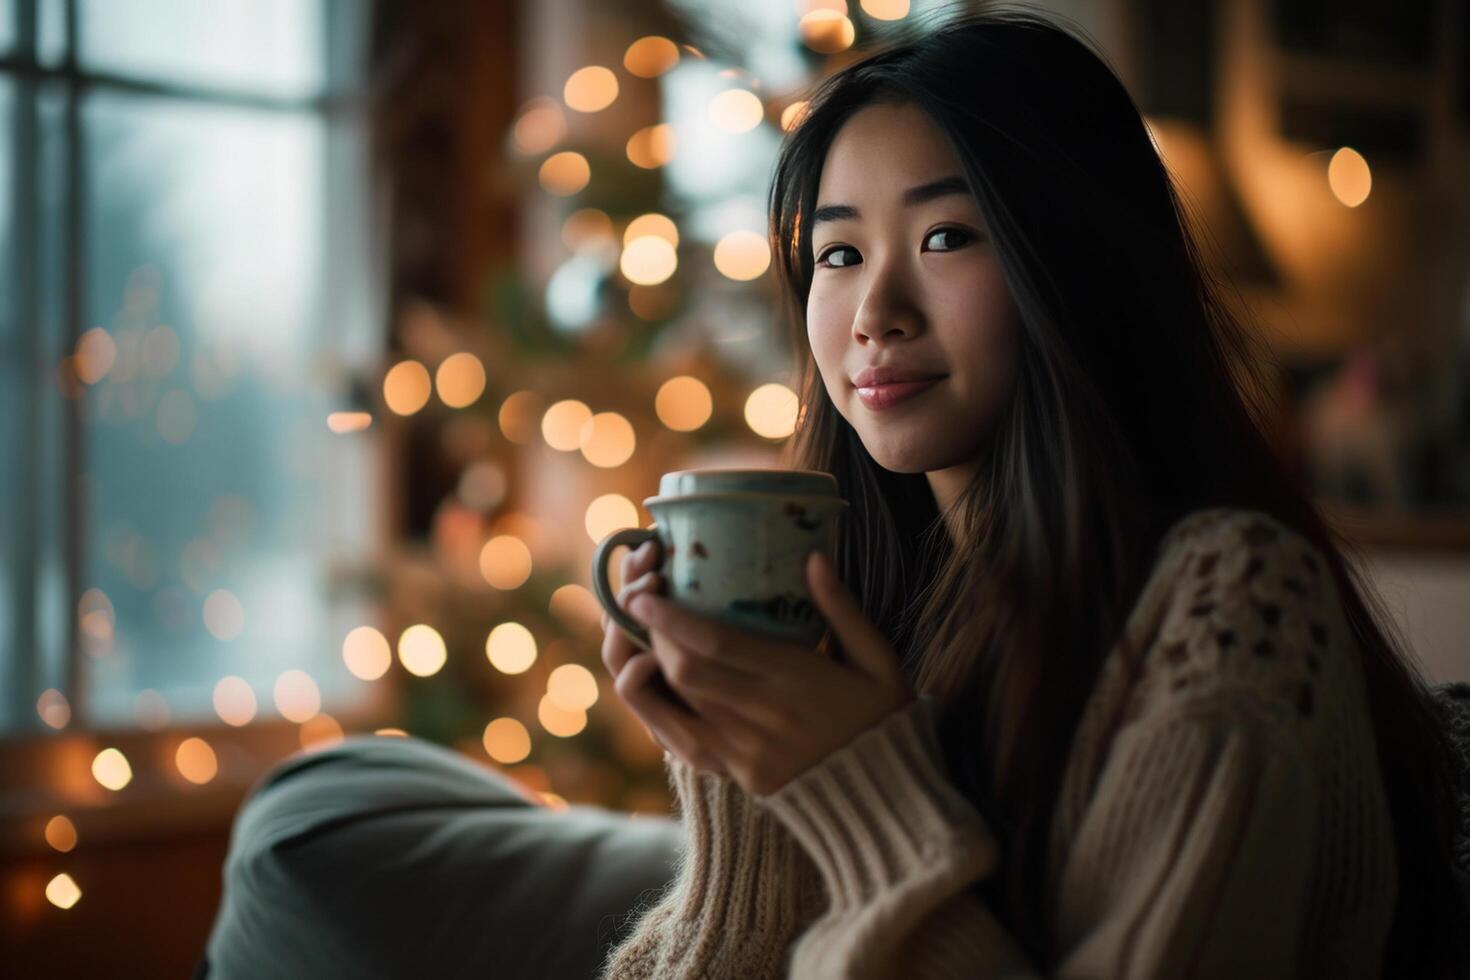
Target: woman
[1106, 699]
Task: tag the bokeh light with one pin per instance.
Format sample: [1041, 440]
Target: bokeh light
[482, 485]
[648, 260]
[827, 31]
[390, 732]
[505, 562]
[507, 741]
[573, 603]
[1349, 177]
[406, 387]
[421, 650]
[196, 761]
[652, 146]
[517, 416]
[343, 422]
[559, 721]
[609, 513]
[110, 768]
[224, 616]
[573, 687]
[607, 440]
[296, 695]
[770, 411]
[61, 833]
[234, 701]
[736, 110]
[792, 115]
[53, 708]
[511, 648]
[565, 173]
[561, 426]
[366, 653]
[683, 403]
[742, 255]
[650, 57]
[460, 379]
[886, 9]
[320, 731]
[62, 891]
[590, 89]
[96, 353]
[540, 126]
[587, 229]
[657, 225]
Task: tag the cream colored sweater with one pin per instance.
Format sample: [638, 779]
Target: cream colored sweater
[1221, 814]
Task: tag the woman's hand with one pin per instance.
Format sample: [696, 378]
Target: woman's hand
[751, 707]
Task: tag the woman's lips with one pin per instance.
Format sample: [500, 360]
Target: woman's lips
[882, 396]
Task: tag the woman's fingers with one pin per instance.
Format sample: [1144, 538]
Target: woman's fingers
[671, 726]
[616, 646]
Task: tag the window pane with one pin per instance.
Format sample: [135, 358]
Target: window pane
[217, 498]
[7, 25]
[272, 47]
[11, 399]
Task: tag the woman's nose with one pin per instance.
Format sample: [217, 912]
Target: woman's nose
[887, 311]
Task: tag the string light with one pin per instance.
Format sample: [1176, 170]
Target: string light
[565, 173]
[224, 616]
[344, 422]
[770, 411]
[62, 891]
[110, 768]
[297, 696]
[460, 379]
[736, 110]
[607, 440]
[234, 701]
[61, 833]
[652, 147]
[572, 687]
[505, 562]
[590, 89]
[406, 387]
[540, 126]
[742, 256]
[648, 261]
[650, 57]
[608, 513]
[421, 650]
[196, 761]
[507, 741]
[683, 403]
[511, 648]
[561, 426]
[1349, 177]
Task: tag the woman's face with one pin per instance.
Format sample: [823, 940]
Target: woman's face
[906, 278]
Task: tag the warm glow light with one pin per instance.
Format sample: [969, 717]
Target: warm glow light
[366, 653]
[683, 403]
[572, 687]
[742, 255]
[652, 146]
[61, 833]
[196, 761]
[792, 115]
[62, 891]
[511, 648]
[460, 379]
[650, 57]
[320, 731]
[96, 621]
[590, 89]
[561, 426]
[111, 769]
[657, 225]
[565, 173]
[507, 741]
[557, 720]
[234, 701]
[540, 127]
[53, 708]
[421, 650]
[574, 604]
[406, 387]
[1349, 177]
[297, 696]
[770, 411]
[827, 31]
[736, 110]
[609, 513]
[586, 230]
[96, 353]
[648, 260]
[224, 617]
[554, 800]
[518, 416]
[505, 561]
[607, 440]
[886, 9]
[341, 422]
[391, 733]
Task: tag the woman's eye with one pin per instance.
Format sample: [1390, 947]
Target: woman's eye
[826, 257]
[957, 239]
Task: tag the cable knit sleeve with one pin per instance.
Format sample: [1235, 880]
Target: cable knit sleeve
[742, 892]
[1195, 848]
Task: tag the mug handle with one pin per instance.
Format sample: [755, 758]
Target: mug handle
[632, 537]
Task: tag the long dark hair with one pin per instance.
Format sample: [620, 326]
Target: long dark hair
[1138, 399]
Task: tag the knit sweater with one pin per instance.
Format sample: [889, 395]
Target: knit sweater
[1221, 812]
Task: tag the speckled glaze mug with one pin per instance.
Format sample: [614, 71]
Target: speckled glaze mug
[734, 545]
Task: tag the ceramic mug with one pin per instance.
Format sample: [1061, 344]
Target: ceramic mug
[734, 545]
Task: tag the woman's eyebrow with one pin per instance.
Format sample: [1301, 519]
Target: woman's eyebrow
[943, 187]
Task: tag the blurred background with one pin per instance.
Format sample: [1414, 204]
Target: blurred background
[334, 335]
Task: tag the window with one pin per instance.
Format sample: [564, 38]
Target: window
[187, 298]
